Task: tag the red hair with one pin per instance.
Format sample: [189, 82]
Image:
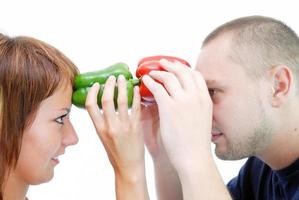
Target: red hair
[30, 71]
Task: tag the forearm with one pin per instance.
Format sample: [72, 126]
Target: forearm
[168, 185]
[131, 185]
[203, 181]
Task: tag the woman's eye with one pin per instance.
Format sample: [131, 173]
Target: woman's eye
[59, 120]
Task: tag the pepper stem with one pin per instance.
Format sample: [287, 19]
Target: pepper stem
[135, 81]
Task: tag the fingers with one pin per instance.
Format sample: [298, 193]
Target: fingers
[122, 99]
[169, 80]
[118, 132]
[92, 107]
[136, 107]
[182, 72]
[108, 100]
[184, 78]
[158, 91]
[200, 83]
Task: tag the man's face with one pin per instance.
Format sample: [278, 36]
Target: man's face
[241, 125]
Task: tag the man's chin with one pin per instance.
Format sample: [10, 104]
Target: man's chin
[221, 156]
[221, 153]
[224, 155]
[228, 156]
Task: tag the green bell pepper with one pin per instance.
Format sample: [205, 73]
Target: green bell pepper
[79, 96]
[89, 78]
[84, 81]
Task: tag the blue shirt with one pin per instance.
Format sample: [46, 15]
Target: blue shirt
[256, 180]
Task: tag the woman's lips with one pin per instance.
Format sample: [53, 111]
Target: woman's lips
[55, 160]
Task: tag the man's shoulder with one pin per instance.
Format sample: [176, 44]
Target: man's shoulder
[251, 175]
[250, 170]
[255, 171]
[256, 180]
[254, 163]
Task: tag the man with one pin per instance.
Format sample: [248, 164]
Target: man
[244, 95]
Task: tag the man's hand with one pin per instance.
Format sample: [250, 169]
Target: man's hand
[185, 111]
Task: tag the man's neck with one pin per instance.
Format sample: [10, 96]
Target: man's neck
[14, 188]
[283, 150]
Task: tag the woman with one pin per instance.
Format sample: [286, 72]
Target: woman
[35, 101]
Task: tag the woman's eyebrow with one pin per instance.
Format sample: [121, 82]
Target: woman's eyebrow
[68, 110]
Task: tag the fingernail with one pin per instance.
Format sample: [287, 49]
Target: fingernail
[136, 88]
[111, 78]
[121, 77]
[96, 84]
[163, 60]
[145, 77]
[152, 72]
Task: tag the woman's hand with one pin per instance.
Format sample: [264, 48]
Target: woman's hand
[121, 137]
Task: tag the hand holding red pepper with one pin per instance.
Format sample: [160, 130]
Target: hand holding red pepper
[185, 111]
[148, 64]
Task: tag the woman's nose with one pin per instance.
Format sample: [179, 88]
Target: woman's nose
[70, 136]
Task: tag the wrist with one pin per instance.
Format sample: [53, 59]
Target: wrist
[195, 164]
[206, 176]
[159, 156]
[198, 171]
[131, 184]
[131, 175]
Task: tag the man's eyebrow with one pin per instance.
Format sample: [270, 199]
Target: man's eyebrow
[211, 82]
[215, 83]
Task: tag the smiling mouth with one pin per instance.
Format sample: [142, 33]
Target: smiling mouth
[55, 159]
[216, 136]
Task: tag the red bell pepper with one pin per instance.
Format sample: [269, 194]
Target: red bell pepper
[148, 64]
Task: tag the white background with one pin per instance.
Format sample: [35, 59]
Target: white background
[95, 34]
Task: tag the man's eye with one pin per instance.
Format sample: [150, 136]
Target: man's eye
[212, 92]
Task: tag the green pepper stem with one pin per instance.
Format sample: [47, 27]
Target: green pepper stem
[135, 81]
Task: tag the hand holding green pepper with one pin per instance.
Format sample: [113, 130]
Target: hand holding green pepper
[84, 81]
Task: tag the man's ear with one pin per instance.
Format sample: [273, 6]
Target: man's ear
[282, 80]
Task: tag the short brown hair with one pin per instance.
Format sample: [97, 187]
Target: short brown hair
[259, 43]
[30, 71]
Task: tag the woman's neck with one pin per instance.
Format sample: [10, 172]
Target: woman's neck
[15, 188]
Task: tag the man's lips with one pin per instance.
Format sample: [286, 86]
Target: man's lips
[216, 135]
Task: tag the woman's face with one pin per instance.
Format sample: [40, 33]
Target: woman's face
[47, 138]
